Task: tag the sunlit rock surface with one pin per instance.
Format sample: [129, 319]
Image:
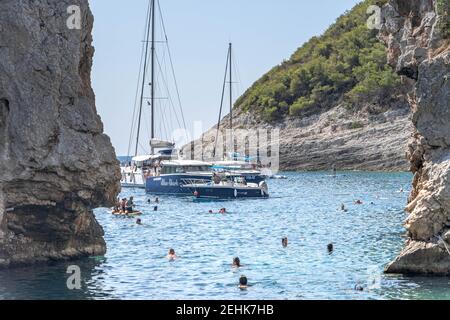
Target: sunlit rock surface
[419, 50]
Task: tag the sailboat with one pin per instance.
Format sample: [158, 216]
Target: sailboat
[234, 164]
[163, 154]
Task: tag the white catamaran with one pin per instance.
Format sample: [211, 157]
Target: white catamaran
[142, 166]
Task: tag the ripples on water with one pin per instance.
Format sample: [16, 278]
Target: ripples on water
[305, 208]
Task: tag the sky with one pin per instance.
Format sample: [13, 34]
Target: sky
[263, 33]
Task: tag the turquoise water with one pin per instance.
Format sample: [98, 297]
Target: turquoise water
[305, 208]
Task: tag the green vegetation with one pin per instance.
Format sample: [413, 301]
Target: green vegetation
[347, 62]
[443, 9]
[356, 125]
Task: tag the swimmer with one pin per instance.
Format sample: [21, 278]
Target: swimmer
[330, 248]
[401, 190]
[343, 208]
[284, 242]
[243, 283]
[359, 287]
[172, 255]
[237, 263]
[139, 221]
[157, 200]
[210, 211]
[223, 211]
[149, 201]
[155, 208]
[358, 202]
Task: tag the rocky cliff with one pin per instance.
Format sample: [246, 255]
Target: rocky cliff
[56, 165]
[416, 34]
[345, 139]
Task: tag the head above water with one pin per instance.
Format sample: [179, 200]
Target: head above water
[172, 252]
[330, 247]
[243, 281]
[284, 241]
[139, 221]
[237, 262]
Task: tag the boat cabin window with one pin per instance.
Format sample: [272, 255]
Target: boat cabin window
[184, 169]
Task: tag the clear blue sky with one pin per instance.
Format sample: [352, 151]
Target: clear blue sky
[263, 32]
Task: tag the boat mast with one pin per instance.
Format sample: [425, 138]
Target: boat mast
[230, 53]
[231, 88]
[151, 12]
[152, 96]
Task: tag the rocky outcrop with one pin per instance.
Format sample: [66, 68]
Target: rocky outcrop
[420, 51]
[372, 139]
[56, 165]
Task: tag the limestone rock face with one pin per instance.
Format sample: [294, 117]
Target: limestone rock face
[335, 138]
[56, 165]
[418, 50]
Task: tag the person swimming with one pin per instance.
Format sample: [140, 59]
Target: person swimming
[139, 221]
[284, 242]
[223, 210]
[237, 262]
[358, 202]
[157, 200]
[359, 287]
[210, 211]
[149, 201]
[155, 208]
[343, 208]
[330, 248]
[243, 283]
[172, 255]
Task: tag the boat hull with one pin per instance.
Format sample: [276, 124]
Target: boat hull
[215, 192]
[173, 184]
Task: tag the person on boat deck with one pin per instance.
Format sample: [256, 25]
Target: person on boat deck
[129, 205]
[216, 178]
[172, 255]
[122, 205]
[237, 262]
[284, 242]
[117, 206]
[243, 283]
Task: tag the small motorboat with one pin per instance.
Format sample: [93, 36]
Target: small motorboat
[236, 188]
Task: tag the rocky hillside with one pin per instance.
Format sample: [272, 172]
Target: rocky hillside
[336, 102]
[56, 165]
[417, 33]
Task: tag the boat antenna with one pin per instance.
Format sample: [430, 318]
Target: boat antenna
[221, 104]
[149, 25]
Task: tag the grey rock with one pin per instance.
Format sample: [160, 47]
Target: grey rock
[425, 58]
[56, 165]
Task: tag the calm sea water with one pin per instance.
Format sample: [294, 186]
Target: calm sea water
[305, 208]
